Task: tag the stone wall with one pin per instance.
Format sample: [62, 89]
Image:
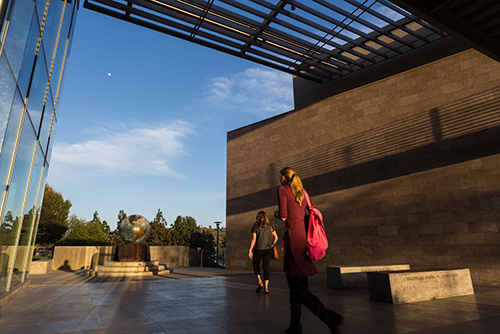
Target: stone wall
[172, 256]
[81, 257]
[404, 170]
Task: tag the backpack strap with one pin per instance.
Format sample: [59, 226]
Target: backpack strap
[308, 199]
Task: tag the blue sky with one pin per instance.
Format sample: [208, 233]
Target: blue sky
[144, 117]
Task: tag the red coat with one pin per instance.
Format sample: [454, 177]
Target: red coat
[295, 262]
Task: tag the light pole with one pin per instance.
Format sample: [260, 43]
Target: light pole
[217, 245]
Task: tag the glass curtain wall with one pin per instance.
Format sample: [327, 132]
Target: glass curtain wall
[35, 40]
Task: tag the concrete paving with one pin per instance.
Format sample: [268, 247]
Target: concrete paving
[205, 300]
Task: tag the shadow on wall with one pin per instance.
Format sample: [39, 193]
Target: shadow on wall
[65, 266]
[461, 131]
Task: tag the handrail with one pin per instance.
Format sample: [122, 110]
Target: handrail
[208, 260]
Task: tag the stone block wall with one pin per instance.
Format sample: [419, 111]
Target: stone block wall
[404, 170]
[172, 256]
[80, 257]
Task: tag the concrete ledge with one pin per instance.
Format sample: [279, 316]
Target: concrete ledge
[5, 297]
[41, 267]
[407, 287]
[346, 277]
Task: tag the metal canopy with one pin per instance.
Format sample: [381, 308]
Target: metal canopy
[316, 39]
[475, 22]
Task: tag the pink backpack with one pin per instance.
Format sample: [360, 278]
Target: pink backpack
[316, 241]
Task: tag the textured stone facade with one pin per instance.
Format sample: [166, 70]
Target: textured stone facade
[404, 170]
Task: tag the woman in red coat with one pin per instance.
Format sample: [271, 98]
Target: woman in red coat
[297, 267]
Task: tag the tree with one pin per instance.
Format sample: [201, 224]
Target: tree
[203, 240]
[182, 229]
[104, 225]
[160, 234]
[53, 217]
[8, 229]
[116, 239]
[84, 233]
[121, 216]
[223, 241]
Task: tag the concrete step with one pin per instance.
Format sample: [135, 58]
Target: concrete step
[129, 269]
[130, 264]
[93, 273]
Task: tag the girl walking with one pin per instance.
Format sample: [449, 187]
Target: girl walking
[297, 267]
[263, 239]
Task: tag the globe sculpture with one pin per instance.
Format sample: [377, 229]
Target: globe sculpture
[134, 228]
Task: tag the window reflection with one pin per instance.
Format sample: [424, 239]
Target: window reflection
[37, 91]
[39, 208]
[24, 250]
[9, 144]
[12, 218]
[29, 57]
[19, 26]
[46, 122]
[51, 28]
[40, 8]
[7, 88]
[61, 47]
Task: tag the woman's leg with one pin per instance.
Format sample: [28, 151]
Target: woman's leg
[294, 285]
[257, 257]
[309, 300]
[266, 258]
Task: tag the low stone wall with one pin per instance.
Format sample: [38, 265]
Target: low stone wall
[407, 287]
[78, 257]
[40, 267]
[87, 257]
[172, 256]
[347, 277]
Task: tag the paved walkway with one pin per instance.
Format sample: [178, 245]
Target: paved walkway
[203, 300]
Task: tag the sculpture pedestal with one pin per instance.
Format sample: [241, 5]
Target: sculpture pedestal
[128, 269]
[132, 252]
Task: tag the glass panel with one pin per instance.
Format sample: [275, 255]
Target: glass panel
[48, 155]
[29, 57]
[6, 158]
[12, 219]
[56, 72]
[37, 218]
[37, 91]
[65, 64]
[7, 89]
[40, 8]
[17, 34]
[24, 249]
[51, 28]
[47, 120]
[9, 144]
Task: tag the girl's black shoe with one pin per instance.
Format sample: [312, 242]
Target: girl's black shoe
[294, 329]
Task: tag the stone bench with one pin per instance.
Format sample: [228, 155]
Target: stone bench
[346, 277]
[407, 287]
[41, 266]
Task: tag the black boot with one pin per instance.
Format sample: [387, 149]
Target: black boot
[295, 315]
[295, 327]
[331, 319]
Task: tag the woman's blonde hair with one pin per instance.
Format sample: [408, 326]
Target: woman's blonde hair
[261, 219]
[293, 180]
